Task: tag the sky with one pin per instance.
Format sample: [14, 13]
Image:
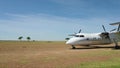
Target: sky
[53, 20]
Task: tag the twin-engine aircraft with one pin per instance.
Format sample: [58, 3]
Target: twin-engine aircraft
[96, 38]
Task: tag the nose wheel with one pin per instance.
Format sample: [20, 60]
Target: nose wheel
[73, 47]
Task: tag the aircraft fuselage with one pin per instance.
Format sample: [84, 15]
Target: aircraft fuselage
[88, 39]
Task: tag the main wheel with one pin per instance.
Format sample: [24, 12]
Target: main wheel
[117, 47]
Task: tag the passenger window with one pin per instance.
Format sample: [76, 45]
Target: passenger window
[81, 35]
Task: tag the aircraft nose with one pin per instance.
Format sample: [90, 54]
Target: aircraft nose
[71, 41]
[68, 42]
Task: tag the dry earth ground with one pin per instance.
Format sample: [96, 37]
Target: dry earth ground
[21, 54]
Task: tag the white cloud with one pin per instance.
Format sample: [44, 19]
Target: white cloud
[47, 27]
[39, 25]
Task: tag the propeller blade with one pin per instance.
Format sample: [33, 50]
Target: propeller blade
[79, 31]
[113, 30]
[118, 27]
[75, 33]
[104, 28]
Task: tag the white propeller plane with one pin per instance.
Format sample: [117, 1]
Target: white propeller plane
[96, 38]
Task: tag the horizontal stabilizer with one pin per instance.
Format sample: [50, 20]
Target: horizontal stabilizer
[117, 23]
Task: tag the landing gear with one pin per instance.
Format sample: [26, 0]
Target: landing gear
[73, 47]
[116, 44]
[117, 47]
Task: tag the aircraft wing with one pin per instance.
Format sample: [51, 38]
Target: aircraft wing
[117, 23]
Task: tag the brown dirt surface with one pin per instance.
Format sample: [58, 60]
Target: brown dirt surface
[21, 54]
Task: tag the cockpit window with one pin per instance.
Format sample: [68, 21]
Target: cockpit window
[79, 36]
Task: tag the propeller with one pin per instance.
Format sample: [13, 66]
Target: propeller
[104, 28]
[105, 33]
[75, 33]
[79, 31]
[112, 30]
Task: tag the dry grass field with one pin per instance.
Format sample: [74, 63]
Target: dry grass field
[22, 54]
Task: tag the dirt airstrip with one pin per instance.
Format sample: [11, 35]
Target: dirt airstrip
[21, 54]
